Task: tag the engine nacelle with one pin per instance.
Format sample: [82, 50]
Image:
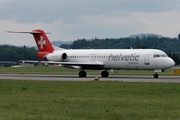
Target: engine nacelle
[57, 56]
[64, 57]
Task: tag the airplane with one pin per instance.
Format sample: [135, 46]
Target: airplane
[101, 59]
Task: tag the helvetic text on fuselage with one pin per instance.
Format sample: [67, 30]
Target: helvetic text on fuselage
[121, 57]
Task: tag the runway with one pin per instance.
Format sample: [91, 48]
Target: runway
[123, 78]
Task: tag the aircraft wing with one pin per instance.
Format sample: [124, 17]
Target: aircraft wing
[32, 61]
[81, 64]
[86, 65]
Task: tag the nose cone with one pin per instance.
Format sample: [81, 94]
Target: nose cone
[170, 63]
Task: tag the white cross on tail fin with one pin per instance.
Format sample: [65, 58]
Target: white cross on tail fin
[41, 42]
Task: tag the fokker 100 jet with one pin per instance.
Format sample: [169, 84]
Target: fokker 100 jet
[105, 59]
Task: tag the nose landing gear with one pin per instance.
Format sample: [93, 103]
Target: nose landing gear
[156, 71]
[155, 75]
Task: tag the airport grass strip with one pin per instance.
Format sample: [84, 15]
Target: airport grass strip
[66, 71]
[88, 100]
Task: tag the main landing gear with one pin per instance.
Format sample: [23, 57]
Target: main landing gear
[82, 73]
[104, 74]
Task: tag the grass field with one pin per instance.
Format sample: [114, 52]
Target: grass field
[44, 100]
[92, 100]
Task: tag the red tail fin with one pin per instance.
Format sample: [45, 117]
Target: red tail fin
[42, 42]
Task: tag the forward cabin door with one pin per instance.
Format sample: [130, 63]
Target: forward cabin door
[146, 59]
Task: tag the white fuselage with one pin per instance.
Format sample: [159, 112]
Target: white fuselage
[139, 59]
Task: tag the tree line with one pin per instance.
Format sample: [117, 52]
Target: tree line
[165, 44]
[169, 45]
[13, 53]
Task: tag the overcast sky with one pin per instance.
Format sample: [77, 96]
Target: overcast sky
[70, 20]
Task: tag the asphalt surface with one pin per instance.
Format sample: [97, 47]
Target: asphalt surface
[124, 78]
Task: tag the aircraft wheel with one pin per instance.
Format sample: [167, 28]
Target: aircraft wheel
[82, 74]
[155, 75]
[104, 74]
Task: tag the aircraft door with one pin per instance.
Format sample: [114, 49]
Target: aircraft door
[93, 57]
[146, 59]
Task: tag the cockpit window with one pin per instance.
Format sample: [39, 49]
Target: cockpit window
[163, 55]
[159, 55]
[156, 55]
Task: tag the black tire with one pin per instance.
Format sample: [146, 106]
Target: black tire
[104, 74]
[155, 75]
[82, 74]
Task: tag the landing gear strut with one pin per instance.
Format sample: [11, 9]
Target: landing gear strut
[82, 73]
[155, 75]
[104, 74]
